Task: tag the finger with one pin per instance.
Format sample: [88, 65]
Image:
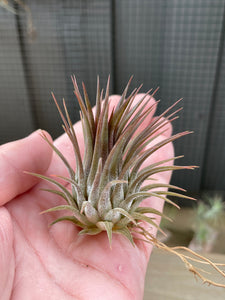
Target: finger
[29, 154]
[7, 263]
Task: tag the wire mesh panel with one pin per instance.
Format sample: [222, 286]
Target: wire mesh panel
[192, 40]
[139, 38]
[15, 114]
[176, 45]
[71, 37]
[214, 165]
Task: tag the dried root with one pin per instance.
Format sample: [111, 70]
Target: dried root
[186, 259]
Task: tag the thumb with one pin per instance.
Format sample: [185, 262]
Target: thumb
[29, 154]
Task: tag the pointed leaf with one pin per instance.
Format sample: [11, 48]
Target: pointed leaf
[151, 171]
[104, 203]
[70, 170]
[90, 231]
[61, 194]
[76, 148]
[125, 232]
[80, 196]
[90, 212]
[150, 210]
[159, 185]
[89, 109]
[136, 203]
[107, 226]
[168, 193]
[60, 207]
[142, 157]
[88, 141]
[112, 216]
[66, 192]
[75, 211]
[68, 218]
[98, 103]
[124, 213]
[94, 190]
[127, 203]
[141, 217]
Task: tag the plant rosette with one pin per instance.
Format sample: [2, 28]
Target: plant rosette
[107, 189]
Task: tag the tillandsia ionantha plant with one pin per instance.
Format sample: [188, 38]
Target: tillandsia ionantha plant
[108, 186]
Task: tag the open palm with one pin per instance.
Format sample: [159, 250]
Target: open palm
[42, 262]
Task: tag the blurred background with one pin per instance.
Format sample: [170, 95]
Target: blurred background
[177, 45]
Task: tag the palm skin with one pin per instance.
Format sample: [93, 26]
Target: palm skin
[42, 262]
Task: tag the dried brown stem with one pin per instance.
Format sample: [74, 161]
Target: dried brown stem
[185, 258]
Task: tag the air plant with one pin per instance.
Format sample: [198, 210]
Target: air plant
[107, 187]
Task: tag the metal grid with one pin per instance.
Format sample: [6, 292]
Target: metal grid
[175, 44]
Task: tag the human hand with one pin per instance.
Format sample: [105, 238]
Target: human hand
[42, 262]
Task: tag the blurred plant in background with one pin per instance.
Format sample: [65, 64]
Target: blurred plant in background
[11, 7]
[209, 220]
[7, 6]
[201, 228]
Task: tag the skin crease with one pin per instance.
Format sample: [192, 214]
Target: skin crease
[42, 262]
